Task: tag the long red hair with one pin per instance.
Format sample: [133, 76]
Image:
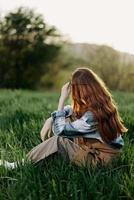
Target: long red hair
[89, 93]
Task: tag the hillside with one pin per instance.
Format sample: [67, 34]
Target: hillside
[87, 51]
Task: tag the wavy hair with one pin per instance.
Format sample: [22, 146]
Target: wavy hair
[89, 93]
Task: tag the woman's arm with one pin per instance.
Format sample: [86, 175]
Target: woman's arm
[79, 127]
[46, 131]
[65, 92]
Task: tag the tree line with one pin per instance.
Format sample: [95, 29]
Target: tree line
[34, 55]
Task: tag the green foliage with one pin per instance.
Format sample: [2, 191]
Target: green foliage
[27, 45]
[106, 62]
[115, 68]
[22, 114]
[32, 57]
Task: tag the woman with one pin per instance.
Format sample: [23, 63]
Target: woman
[88, 132]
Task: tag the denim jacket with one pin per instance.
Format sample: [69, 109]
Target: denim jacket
[85, 127]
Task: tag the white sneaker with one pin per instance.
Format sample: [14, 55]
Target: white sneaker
[9, 165]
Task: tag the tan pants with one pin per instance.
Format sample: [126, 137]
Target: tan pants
[91, 153]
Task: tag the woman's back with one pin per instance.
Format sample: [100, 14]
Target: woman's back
[84, 127]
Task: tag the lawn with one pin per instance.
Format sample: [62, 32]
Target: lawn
[22, 114]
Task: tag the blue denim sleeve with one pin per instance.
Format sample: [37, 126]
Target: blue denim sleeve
[118, 142]
[68, 110]
[79, 127]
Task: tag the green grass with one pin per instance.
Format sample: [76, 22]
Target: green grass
[22, 114]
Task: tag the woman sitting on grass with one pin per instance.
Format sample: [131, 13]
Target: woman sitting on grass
[88, 132]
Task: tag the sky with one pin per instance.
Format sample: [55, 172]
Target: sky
[109, 22]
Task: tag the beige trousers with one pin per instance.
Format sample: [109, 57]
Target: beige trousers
[91, 153]
[61, 145]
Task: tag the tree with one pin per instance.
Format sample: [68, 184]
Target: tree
[27, 45]
[107, 64]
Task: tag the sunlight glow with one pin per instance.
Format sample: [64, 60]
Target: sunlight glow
[94, 21]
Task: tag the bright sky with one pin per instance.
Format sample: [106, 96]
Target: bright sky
[108, 22]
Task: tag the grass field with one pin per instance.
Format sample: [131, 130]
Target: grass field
[22, 114]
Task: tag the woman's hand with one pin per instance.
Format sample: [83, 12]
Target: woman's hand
[65, 92]
[47, 129]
